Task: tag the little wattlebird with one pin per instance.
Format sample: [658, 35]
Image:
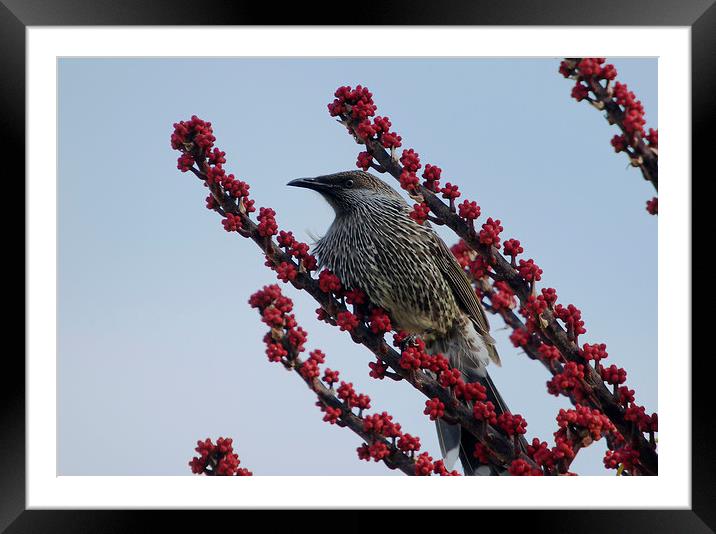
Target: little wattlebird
[405, 268]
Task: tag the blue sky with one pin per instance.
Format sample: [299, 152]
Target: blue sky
[157, 346]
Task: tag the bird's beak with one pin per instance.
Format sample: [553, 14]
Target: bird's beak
[310, 183]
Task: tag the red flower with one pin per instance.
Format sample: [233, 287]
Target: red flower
[529, 271]
[332, 415]
[286, 271]
[362, 401]
[424, 465]
[469, 210]
[580, 92]
[378, 450]
[434, 408]
[513, 247]
[549, 295]
[347, 321]
[356, 296]
[540, 452]
[309, 369]
[408, 443]
[449, 378]
[485, 411]
[471, 391]
[512, 423]
[363, 452]
[596, 352]
[450, 191]
[231, 223]
[420, 212]
[330, 377]
[267, 223]
[572, 317]
[377, 369]
[329, 282]
[652, 206]
[379, 321]
[520, 467]
[613, 375]
[490, 233]
[520, 337]
[364, 160]
[408, 180]
[431, 174]
[440, 469]
[390, 140]
[549, 352]
[346, 393]
[410, 160]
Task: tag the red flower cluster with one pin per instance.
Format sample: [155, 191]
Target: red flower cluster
[451, 192]
[431, 175]
[529, 271]
[520, 337]
[346, 321]
[522, 468]
[502, 298]
[586, 69]
[549, 353]
[380, 321]
[512, 424]
[463, 253]
[355, 106]
[194, 133]
[621, 104]
[513, 248]
[275, 311]
[377, 369]
[420, 212]
[591, 420]
[434, 408]
[572, 317]
[595, 352]
[652, 206]
[329, 282]
[568, 382]
[195, 140]
[217, 459]
[364, 160]
[469, 210]
[490, 233]
[485, 411]
[613, 375]
[626, 458]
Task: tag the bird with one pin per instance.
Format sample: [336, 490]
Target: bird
[404, 267]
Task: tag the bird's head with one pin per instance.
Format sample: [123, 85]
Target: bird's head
[348, 190]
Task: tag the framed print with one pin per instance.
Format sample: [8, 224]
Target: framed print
[311, 255]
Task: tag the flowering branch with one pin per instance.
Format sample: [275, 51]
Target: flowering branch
[217, 460]
[594, 84]
[354, 107]
[384, 439]
[450, 398]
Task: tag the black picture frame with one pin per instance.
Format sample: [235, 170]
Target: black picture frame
[16, 15]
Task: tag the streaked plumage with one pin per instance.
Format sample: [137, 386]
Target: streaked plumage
[405, 268]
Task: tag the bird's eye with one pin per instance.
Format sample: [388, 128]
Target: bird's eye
[349, 183]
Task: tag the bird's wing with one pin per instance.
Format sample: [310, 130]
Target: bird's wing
[465, 295]
[462, 289]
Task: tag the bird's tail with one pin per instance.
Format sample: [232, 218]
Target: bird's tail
[469, 353]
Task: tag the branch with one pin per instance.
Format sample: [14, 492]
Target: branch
[354, 107]
[620, 107]
[384, 439]
[229, 197]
